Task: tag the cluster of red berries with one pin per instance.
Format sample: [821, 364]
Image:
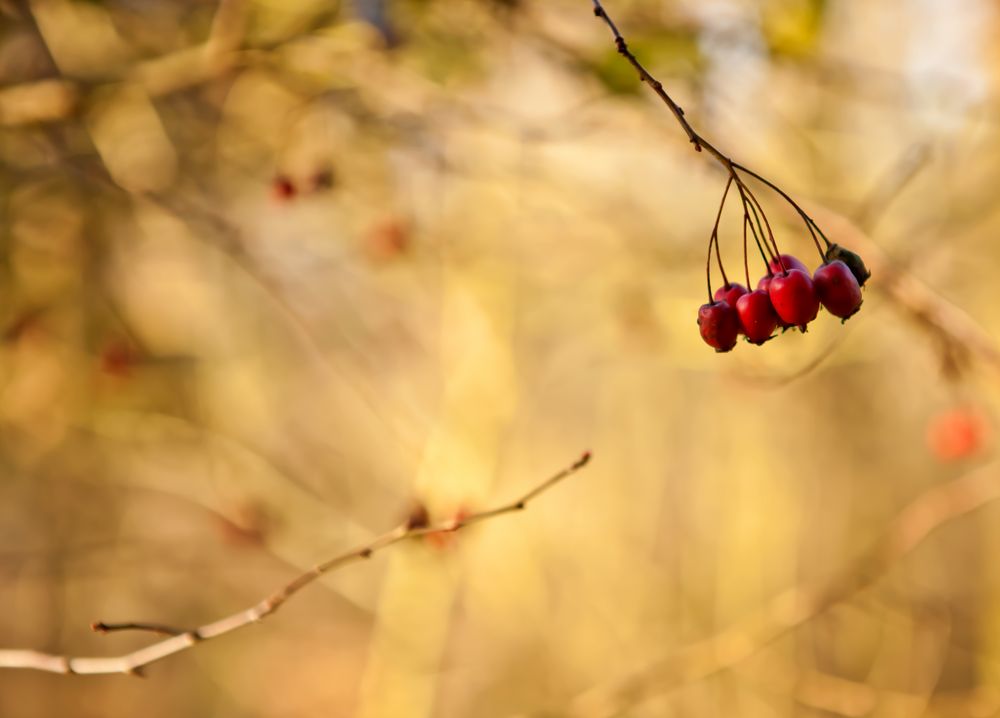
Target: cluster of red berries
[788, 296]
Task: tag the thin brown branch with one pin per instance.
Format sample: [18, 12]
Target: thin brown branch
[732, 167]
[798, 605]
[102, 627]
[697, 140]
[133, 663]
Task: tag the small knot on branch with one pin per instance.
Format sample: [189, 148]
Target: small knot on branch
[365, 553]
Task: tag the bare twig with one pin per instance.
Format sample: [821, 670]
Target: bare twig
[133, 663]
[696, 139]
[102, 627]
[798, 605]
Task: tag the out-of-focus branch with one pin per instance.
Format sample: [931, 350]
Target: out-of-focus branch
[56, 99]
[133, 663]
[796, 606]
[949, 324]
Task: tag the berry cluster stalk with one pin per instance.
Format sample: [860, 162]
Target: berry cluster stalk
[753, 212]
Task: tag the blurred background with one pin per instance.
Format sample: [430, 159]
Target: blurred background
[274, 272]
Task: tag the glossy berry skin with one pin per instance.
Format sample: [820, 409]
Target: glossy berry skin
[789, 262]
[757, 316]
[837, 289]
[764, 284]
[729, 293]
[719, 325]
[794, 297]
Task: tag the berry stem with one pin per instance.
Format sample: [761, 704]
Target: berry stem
[715, 235]
[746, 262]
[763, 215]
[807, 220]
[758, 231]
[699, 142]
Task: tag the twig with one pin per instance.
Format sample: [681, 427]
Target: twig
[696, 139]
[796, 606]
[102, 627]
[133, 663]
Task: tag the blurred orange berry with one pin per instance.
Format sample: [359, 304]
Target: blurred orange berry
[388, 239]
[957, 433]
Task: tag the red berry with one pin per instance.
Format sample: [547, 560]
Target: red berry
[719, 324]
[837, 289]
[764, 285]
[789, 263]
[757, 316]
[282, 188]
[794, 297]
[729, 293]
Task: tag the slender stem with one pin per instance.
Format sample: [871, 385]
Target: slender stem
[179, 640]
[746, 262]
[810, 224]
[714, 237]
[761, 243]
[696, 139]
[758, 207]
[102, 627]
[772, 247]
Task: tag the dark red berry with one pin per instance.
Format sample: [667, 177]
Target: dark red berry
[794, 297]
[837, 289]
[757, 316]
[729, 293]
[852, 260]
[282, 188]
[788, 261]
[719, 324]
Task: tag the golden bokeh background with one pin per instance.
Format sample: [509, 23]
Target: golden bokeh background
[276, 271]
